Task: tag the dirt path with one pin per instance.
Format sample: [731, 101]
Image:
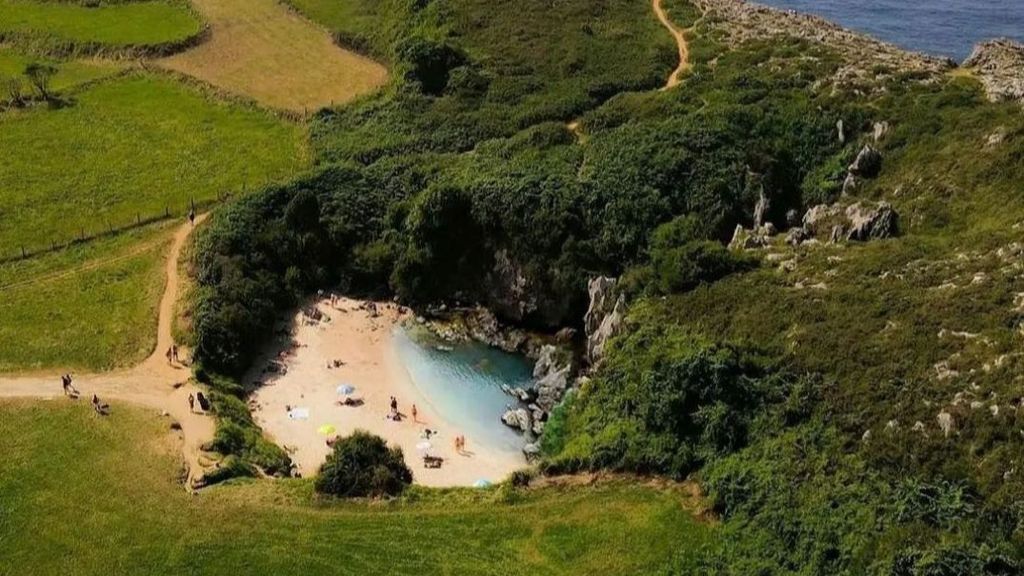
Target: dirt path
[680, 36]
[154, 383]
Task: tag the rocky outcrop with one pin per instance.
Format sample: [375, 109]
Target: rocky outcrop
[551, 373]
[518, 418]
[867, 164]
[750, 239]
[860, 221]
[866, 62]
[999, 65]
[605, 316]
[511, 292]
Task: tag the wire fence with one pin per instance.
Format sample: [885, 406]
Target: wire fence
[104, 227]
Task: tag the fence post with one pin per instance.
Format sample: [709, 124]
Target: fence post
[23, 251]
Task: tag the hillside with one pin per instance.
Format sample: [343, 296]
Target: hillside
[769, 273]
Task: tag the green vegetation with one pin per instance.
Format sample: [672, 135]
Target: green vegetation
[149, 27]
[791, 389]
[15, 86]
[363, 465]
[73, 504]
[129, 148]
[91, 306]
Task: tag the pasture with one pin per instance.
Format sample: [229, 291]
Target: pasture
[262, 50]
[90, 307]
[128, 148]
[69, 74]
[71, 26]
[73, 504]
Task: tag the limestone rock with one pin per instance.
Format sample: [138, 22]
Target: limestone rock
[531, 451]
[518, 418]
[867, 164]
[946, 423]
[511, 291]
[551, 372]
[869, 222]
[879, 131]
[604, 317]
[999, 64]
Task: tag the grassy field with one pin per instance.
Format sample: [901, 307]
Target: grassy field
[71, 503]
[131, 146]
[263, 50]
[92, 306]
[137, 24]
[69, 74]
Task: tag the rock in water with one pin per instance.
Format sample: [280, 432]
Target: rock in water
[551, 372]
[999, 64]
[604, 316]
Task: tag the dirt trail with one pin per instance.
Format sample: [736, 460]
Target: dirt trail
[154, 383]
[680, 36]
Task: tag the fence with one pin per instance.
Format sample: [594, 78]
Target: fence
[109, 229]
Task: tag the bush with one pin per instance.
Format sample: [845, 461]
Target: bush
[363, 465]
[430, 63]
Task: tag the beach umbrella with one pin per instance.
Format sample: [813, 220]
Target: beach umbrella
[424, 446]
[327, 429]
[345, 389]
[481, 483]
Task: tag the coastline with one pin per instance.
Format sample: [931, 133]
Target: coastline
[362, 342]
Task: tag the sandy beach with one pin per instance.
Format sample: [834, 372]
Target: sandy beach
[361, 342]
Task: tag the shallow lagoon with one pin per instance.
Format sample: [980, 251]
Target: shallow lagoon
[463, 382]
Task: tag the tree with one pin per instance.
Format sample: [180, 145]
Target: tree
[363, 465]
[39, 75]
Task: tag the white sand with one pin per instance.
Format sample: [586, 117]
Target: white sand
[364, 344]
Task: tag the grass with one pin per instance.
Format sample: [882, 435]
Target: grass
[130, 25]
[92, 306]
[263, 50]
[72, 504]
[70, 73]
[131, 146]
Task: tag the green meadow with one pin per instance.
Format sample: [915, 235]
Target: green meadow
[131, 147]
[91, 306]
[72, 503]
[70, 73]
[129, 25]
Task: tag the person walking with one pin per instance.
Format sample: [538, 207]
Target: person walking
[174, 353]
[192, 216]
[170, 356]
[415, 414]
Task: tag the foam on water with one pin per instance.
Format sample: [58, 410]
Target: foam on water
[464, 385]
[938, 27]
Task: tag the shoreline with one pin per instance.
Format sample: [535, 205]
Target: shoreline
[361, 342]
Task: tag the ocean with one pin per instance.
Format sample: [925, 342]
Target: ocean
[938, 27]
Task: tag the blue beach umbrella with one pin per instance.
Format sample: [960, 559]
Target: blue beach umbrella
[481, 483]
[345, 389]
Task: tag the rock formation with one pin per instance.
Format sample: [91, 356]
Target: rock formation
[999, 65]
[604, 317]
[860, 221]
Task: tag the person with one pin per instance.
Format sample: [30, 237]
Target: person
[462, 444]
[174, 352]
[170, 356]
[191, 403]
[458, 444]
[394, 405]
[101, 408]
[192, 216]
[415, 414]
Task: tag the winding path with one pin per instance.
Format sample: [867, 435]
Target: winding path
[154, 383]
[680, 36]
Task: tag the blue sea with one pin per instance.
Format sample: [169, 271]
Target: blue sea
[938, 27]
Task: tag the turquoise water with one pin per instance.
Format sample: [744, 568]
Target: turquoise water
[464, 385]
[940, 27]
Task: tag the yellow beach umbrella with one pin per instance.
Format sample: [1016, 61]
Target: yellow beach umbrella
[327, 429]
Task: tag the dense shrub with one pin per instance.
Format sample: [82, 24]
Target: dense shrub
[363, 465]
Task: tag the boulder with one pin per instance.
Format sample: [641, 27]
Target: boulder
[850, 184]
[797, 236]
[518, 418]
[860, 221]
[531, 451]
[867, 164]
[604, 316]
[871, 221]
[744, 239]
[999, 65]
[879, 131]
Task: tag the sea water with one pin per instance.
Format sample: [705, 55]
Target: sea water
[463, 383]
[938, 27]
